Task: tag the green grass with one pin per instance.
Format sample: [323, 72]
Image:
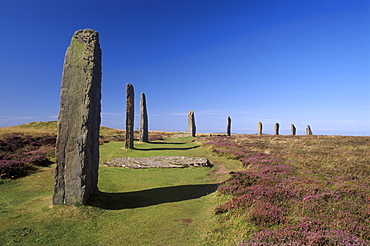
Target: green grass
[155, 148]
[137, 207]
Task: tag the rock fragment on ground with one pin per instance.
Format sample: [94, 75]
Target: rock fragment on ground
[158, 162]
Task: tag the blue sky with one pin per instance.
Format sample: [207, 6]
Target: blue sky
[292, 62]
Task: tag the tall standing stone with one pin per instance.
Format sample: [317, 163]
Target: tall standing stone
[293, 130]
[259, 128]
[129, 139]
[308, 130]
[77, 147]
[276, 129]
[191, 124]
[228, 126]
[143, 136]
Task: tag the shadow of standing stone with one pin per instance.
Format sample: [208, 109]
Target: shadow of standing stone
[150, 197]
[77, 147]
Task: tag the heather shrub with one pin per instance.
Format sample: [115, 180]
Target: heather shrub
[15, 169]
[37, 157]
[222, 146]
[304, 232]
[266, 214]
[107, 139]
[13, 142]
[155, 136]
[257, 158]
[293, 237]
[246, 197]
[21, 154]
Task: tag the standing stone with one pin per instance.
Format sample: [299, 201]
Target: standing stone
[293, 129]
[259, 128]
[191, 124]
[228, 127]
[143, 119]
[276, 129]
[308, 130]
[77, 147]
[129, 140]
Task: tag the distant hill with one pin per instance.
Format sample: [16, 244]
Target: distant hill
[42, 127]
[49, 127]
[52, 125]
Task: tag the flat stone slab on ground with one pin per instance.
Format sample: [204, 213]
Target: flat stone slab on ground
[180, 135]
[158, 162]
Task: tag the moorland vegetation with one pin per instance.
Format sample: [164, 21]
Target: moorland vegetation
[308, 190]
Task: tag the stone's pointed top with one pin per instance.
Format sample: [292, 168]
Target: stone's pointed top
[87, 30]
[129, 87]
[86, 36]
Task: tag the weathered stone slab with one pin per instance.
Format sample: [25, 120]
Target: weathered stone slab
[259, 128]
[77, 147]
[158, 162]
[293, 129]
[143, 134]
[228, 126]
[180, 135]
[191, 124]
[308, 130]
[276, 129]
[130, 115]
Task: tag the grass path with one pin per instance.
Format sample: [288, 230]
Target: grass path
[144, 207]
